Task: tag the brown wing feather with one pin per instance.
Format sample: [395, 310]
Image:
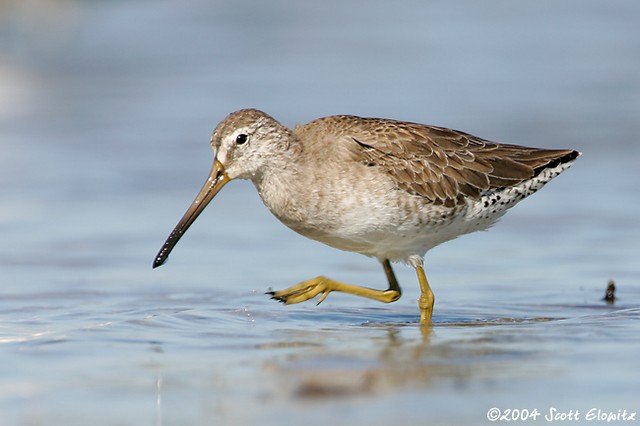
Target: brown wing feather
[444, 165]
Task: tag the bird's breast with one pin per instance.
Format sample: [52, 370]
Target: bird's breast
[357, 214]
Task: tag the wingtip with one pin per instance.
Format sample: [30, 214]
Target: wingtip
[569, 156]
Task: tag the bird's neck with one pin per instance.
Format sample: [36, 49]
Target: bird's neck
[280, 187]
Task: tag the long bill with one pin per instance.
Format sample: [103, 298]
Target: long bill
[217, 179]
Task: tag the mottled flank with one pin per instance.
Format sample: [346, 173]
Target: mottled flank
[383, 188]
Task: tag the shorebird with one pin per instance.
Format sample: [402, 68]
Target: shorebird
[384, 188]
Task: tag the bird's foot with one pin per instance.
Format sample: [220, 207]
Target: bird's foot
[304, 291]
[425, 303]
[323, 286]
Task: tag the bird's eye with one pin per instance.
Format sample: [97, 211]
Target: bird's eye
[241, 139]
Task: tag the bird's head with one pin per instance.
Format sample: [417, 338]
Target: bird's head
[245, 144]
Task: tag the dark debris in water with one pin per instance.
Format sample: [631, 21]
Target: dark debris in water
[609, 295]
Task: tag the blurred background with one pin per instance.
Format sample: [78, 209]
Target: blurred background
[106, 109]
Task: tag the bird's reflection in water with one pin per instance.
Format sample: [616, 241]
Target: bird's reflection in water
[375, 358]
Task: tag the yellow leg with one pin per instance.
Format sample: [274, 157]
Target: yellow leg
[323, 286]
[426, 298]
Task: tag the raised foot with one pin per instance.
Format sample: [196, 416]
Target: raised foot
[323, 286]
[304, 291]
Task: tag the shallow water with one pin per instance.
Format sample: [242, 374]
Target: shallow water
[105, 115]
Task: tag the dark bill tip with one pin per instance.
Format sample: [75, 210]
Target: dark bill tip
[217, 179]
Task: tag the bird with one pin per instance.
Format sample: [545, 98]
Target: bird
[384, 188]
